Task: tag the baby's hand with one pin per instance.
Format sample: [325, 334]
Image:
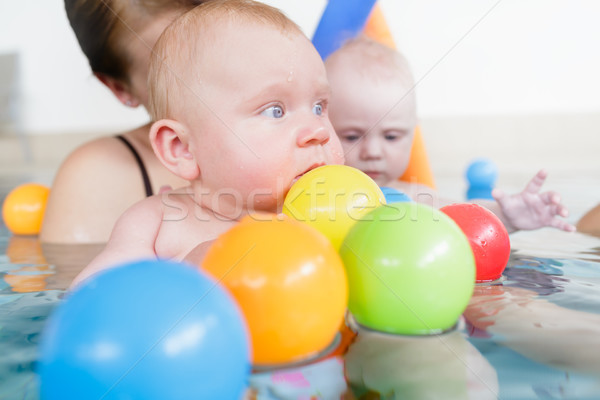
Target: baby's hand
[531, 209]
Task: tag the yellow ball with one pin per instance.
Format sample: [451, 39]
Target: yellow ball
[24, 207]
[332, 198]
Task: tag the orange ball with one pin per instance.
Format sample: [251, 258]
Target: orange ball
[289, 282]
[24, 207]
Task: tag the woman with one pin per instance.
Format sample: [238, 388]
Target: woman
[102, 178]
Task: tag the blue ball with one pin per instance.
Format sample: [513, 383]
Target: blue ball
[146, 330]
[394, 196]
[479, 192]
[482, 173]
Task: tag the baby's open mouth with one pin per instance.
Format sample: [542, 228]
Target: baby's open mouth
[314, 166]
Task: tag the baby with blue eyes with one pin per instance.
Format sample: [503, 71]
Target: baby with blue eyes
[241, 112]
[373, 111]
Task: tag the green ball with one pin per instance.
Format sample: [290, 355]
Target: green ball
[410, 270]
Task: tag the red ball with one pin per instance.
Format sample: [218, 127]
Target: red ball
[488, 238]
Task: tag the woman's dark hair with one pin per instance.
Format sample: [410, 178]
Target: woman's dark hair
[100, 25]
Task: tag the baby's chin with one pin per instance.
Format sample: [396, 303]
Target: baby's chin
[382, 182]
[266, 205]
[380, 178]
[264, 215]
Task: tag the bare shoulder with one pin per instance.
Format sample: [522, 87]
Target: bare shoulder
[101, 151]
[141, 220]
[93, 186]
[137, 228]
[590, 222]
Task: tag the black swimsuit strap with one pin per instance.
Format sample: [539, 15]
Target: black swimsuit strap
[140, 163]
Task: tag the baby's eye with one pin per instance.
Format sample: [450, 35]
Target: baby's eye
[273, 112]
[394, 135]
[349, 136]
[318, 109]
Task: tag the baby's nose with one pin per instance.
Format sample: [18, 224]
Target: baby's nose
[370, 147]
[313, 133]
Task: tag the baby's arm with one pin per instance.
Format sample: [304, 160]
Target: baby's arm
[520, 318]
[527, 210]
[133, 238]
[530, 209]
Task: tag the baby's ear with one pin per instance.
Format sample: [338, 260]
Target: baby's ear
[170, 145]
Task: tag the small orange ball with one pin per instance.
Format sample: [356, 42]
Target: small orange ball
[24, 207]
[289, 282]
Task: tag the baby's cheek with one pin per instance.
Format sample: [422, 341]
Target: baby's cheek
[264, 186]
[352, 160]
[338, 156]
[338, 150]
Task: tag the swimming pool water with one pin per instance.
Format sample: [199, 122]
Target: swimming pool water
[534, 335]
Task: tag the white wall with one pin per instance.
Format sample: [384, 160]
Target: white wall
[471, 57]
[59, 93]
[501, 57]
